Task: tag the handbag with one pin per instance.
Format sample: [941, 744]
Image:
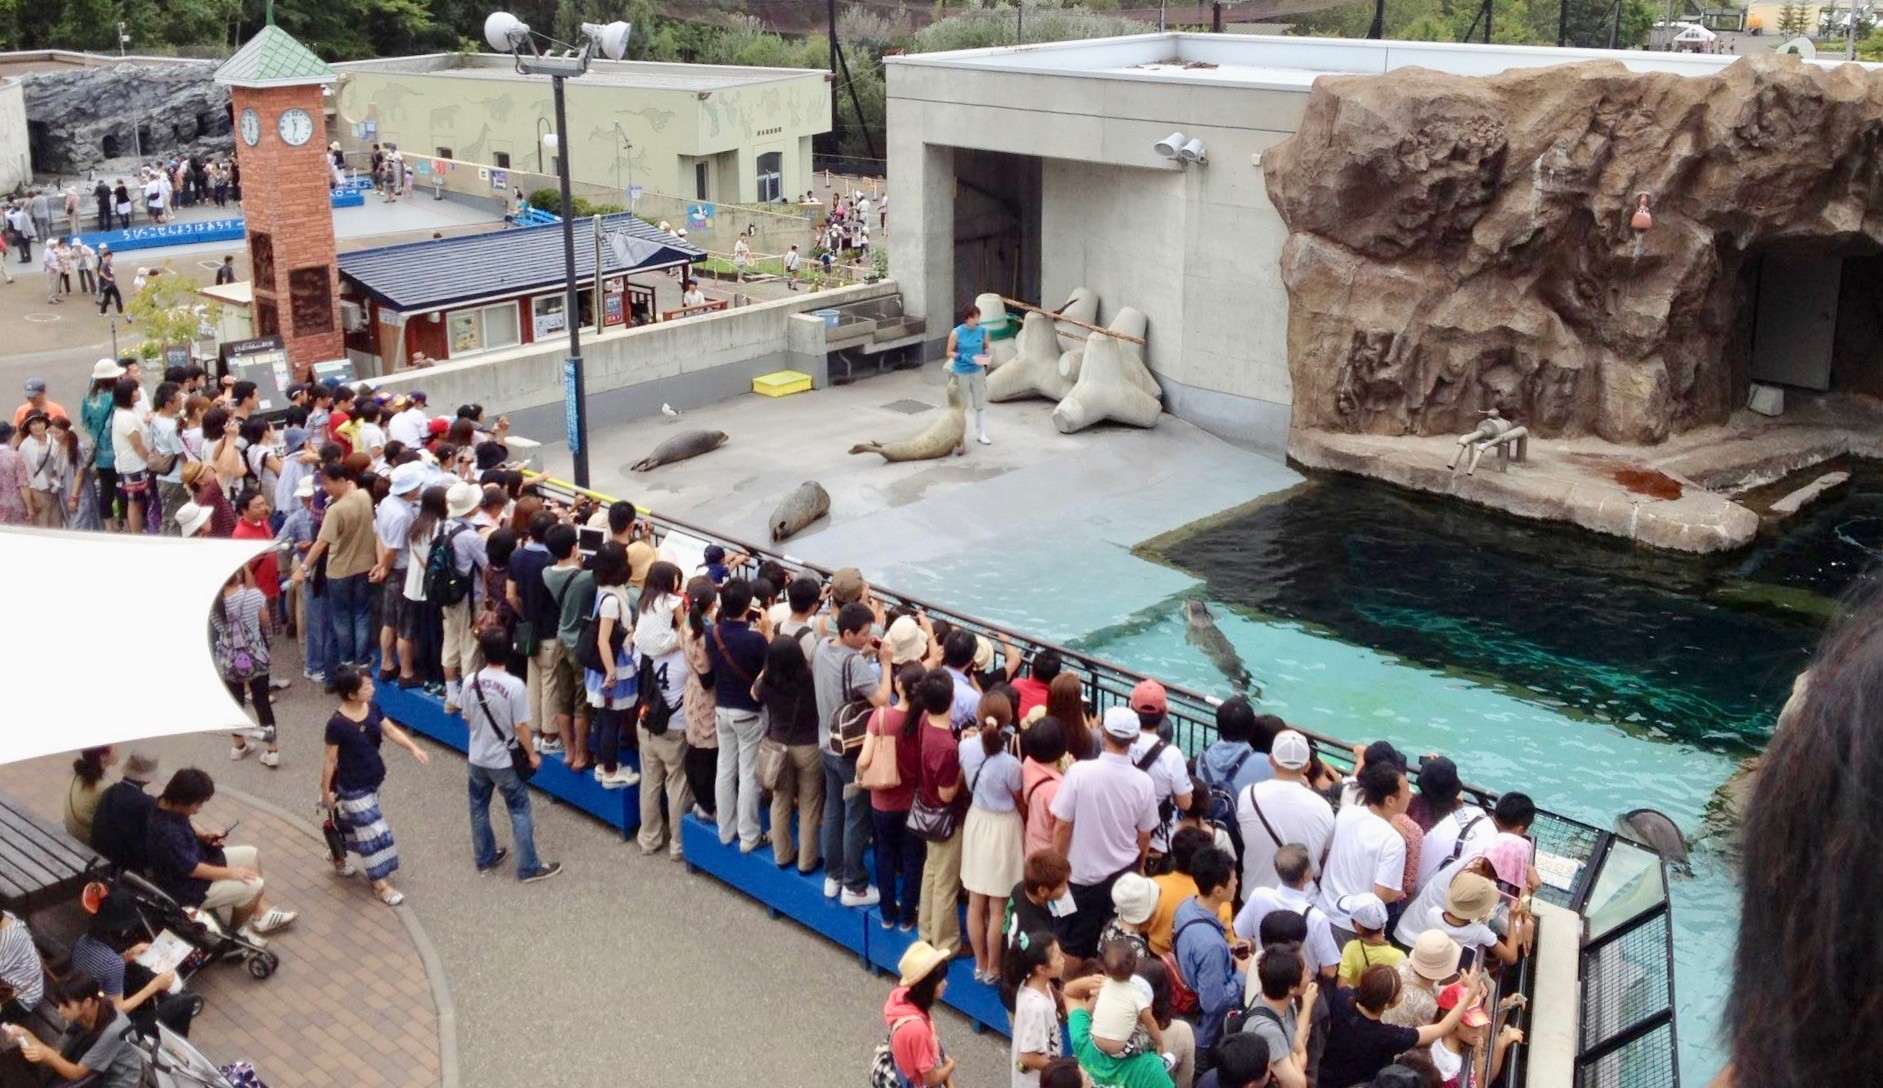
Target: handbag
[519, 759]
[653, 714]
[936, 823]
[588, 651]
[770, 768]
[876, 766]
[240, 662]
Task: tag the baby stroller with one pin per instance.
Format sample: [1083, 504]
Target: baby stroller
[170, 1061]
[212, 938]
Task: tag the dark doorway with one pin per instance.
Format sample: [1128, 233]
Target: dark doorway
[997, 225]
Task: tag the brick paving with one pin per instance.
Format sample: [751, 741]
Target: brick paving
[350, 1005]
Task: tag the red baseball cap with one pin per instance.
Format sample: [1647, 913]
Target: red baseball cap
[1149, 698]
[1474, 1017]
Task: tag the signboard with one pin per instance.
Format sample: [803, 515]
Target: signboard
[338, 370]
[569, 405]
[440, 166]
[613, 302]
[176, 355]
[547, 315]
[499, 179]
[167, 234]
[634, 194]
[483, 173]
[263, 361]
[699, 216]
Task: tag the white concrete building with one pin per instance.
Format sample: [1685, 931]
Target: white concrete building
[1032, 170]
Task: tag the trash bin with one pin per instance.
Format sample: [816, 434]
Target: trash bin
[830, 317]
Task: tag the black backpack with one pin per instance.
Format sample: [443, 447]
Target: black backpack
[445, 584]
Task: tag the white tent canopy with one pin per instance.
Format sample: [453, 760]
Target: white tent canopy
[109, 638]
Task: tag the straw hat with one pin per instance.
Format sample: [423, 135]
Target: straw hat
[921, 959]
[463, 498]
[1471, 897]
[906, 641]
[1435, 956]
[192, 519]
[106, 368]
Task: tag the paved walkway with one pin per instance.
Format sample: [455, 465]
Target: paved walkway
[350, 1005]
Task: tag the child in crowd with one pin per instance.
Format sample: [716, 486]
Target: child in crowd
[1122, 1024]
[1034, 966]
[1371, 946]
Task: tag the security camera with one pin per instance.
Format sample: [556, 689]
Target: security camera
[1169, 146]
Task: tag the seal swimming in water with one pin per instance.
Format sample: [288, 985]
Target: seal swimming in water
[1654, 831]
[680, 447]
[800, 508]
[1201, 631]
[941, 437]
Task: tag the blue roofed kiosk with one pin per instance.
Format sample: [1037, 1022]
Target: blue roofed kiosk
[281, 138]
[451, 298]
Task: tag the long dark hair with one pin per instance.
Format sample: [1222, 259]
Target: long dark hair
[786, 673]
[611, 565]
[432, 512]
[1065, 700]
[927, 988]
[1029, 951]
[907, 677]
[90, 765]
[701, 596]
[995, 717]
[663, 578]
[1803, 976]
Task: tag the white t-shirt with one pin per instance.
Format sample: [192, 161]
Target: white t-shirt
[1035, 1031]
[1439, 841]
[656, 636]
[1169, 777]
[1115, 1013]
[1297, 814]
[165, 439]
[418, 556]
[124, 424]
[509, 700]
[1321, 950]
[407, 427]
[1448, 1062]
[1367, 851]
[1427, 911]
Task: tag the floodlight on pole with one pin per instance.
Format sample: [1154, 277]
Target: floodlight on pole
[508, 34]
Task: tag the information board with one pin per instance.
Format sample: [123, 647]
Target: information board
[263, 361]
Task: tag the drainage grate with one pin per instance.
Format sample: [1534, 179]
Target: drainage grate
[908, 407]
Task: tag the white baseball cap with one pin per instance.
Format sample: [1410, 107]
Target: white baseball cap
[1364, 908]
[1121, 722]
[1290, 751]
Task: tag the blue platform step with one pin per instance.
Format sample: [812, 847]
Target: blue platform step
[425, 714]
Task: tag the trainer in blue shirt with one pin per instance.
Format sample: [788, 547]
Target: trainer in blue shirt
[967, 361]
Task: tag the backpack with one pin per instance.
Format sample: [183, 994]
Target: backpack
[883, 1071]
[445, 584]
[1183, 999]
[1235, 1019]
[1167, 808]
[1464, 833]
[1222, 802]
[850, 725]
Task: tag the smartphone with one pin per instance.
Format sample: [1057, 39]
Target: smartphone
[1240, 951]
[227, 831]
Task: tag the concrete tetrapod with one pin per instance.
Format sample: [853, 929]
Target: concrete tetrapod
[1081, 305]
[1113, 382]
[993, 315]
[1036, 370]
[938, 440]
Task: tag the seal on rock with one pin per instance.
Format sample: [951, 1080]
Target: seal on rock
[800, 508]
[940, 439]
[680, 447]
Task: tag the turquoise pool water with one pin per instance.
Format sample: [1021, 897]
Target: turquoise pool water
[1597, 678]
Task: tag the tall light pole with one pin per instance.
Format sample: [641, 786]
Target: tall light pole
[508, 34]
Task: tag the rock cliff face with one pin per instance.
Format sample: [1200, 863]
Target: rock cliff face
[1460, 242]
[80, 119]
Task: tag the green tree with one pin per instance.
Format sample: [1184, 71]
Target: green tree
[1792, 20]
[170, 311]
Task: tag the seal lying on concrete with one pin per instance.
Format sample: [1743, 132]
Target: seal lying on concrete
[1654, 831]
[1201, 631]
[800, 508]
[941, 438]
[680, 447]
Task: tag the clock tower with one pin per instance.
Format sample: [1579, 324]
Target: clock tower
[281, 147]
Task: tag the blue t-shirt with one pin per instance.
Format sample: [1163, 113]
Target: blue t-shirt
[173, 852]
[968, 344]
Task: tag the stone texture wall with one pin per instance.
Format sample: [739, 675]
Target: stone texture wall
[1457, 242]
[179, 106]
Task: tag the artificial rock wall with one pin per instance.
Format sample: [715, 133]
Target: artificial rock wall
[89, 116]
[1460, 242]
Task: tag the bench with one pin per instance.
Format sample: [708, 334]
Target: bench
[40, 865]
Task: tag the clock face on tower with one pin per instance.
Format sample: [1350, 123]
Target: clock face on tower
[251, 127]
[295, 127]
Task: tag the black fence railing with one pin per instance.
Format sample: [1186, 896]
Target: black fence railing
[1627, 1021]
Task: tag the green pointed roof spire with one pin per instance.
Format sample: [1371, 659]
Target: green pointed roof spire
[272, 58]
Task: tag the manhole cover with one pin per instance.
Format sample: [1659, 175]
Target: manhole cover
[908, 407]
[42, 317]
[211, 265]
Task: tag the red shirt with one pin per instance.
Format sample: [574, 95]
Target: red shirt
[888, 723]
[941, 762]
[267, 573]
[1032, 694]
[334, 422]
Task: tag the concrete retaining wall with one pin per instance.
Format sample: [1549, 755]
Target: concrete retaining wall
[630, 373]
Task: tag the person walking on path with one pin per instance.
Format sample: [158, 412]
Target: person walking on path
[350, 778]
[53, 266]
[108, 281]
[241, 651]
[86, 259]
[497, 717]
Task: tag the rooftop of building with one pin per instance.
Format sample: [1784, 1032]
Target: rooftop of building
[1289, 63]
[25, 62]
[633, 74]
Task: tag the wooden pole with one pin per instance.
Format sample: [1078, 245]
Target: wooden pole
[1126, 337]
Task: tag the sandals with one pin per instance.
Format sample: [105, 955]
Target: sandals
[391, 897]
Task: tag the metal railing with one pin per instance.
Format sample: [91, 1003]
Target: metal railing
[1626, 962]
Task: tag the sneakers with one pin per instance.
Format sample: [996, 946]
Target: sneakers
[831, 887]
[345, 869]
[868, 897]
[255, 734]
[316, 677]
[271, 759]
[621, 778]
[276, 918]
[548, 870]
[889, 924]
[239, 752]
[502, 853]
[550, 744]
[279, 683]
[248, 934]
[984, 440]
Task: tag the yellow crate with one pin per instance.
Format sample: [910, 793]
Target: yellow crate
[781, 384]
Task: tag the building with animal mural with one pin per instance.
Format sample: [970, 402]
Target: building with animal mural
[719, 134]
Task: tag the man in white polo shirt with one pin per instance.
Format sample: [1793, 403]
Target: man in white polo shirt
[1282, 810]
[1106, 810]
[1368, 854]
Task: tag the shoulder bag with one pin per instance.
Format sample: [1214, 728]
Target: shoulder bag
[519, 759]
[876, 764]
[852, 720]
[935, 823]
[770, 768]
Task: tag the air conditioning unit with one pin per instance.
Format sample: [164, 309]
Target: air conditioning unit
[352, 316]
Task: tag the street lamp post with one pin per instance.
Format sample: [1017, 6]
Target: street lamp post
[508, 34]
